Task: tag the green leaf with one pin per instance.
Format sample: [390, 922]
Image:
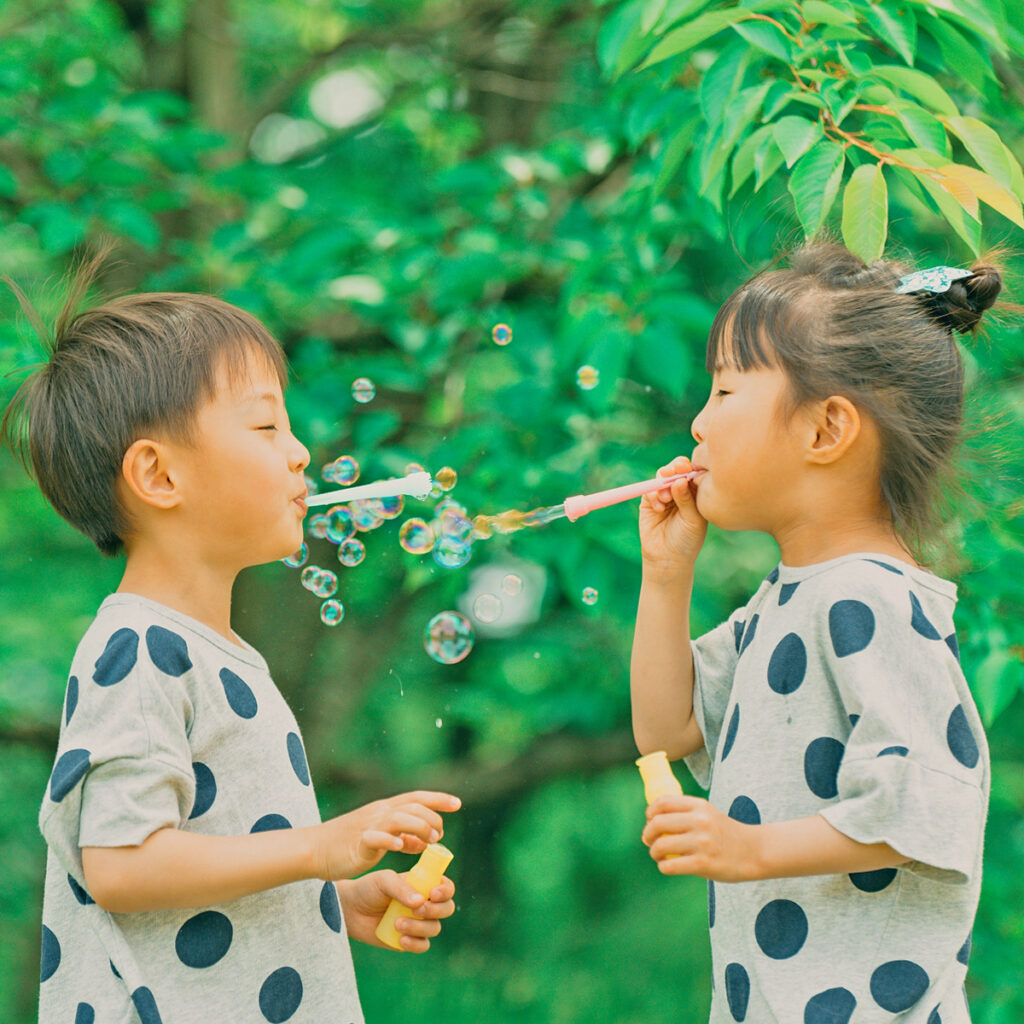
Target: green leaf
[621, 41]
[722, 81]
[687, 36]
[672, 158]
[796, 135]
[814, 184]
[895, 25]
[675, 11]
[817, 13]
[767, 37]
[919, 85]
[767, 160]
[921, 127]
[743, 159]
[996, 682]
[857, 63]
[985, 146]
[8, 183]
[961, 54]
[866, 212]
[987, 189]
[966, 226]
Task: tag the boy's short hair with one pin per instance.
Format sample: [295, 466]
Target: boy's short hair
[136, 365]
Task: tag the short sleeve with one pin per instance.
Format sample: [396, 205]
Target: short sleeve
[123, 768]
[715, 655]
[913, 771]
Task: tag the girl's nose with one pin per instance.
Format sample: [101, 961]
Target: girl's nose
[697, 427]
[299, 455]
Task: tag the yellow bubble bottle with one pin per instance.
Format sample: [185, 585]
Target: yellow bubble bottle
[657, 775]
[423, 876]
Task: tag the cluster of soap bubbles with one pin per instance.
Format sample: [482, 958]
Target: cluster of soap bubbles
[343, 471]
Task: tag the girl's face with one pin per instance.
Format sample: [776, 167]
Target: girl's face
[749, 454]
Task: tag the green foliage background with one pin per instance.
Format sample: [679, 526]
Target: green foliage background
[505, 164]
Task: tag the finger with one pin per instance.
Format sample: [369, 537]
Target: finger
[444, 890]
[435, 911]
[429, 798]
[394, 885]
[402, 823]
[432, 817]
[375, 839]
[414, 927]
[672, 805]
[412, 844]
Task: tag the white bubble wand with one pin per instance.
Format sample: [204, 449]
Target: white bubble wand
[416, 485]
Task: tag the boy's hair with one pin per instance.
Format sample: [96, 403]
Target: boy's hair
[137, 365]
[836, 326]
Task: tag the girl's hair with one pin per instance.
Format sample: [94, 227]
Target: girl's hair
[836, 326]
[136, 365]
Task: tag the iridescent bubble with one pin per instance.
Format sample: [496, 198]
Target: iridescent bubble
[587, 378]
[340, 524]
[416, 536]
[450, 553]
[446, 477]
[327, 472]
[311, 485]
[325, 584]
[454, 524]
[448, 637]
[414, 467]
[365, 514]
[501, 334]
[317, 525]
[589, 595]
[309, 576]
[332, 612]
[299, 558]
[351, 552]
[345, 470]
[390, 508]
[512, 584]
[487, 608]
[438, 723]
[363, 390]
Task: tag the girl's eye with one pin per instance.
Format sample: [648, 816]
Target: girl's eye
[721, 393]
[269, 426]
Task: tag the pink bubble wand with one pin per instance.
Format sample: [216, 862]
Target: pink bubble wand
[580, 505]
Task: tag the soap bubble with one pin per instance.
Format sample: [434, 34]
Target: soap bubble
[501, 334]
[446, 477]
[416, 536]
[311, 485]
[309, 575]
[391, 507]
[365, 514]
[298, 559]
[438, 723]
[451, 553]
[512, 584]
[343, 470]
[340, 525]
[363, 390]
[587, 378]
[317, 525]
[448, 637]
[589, 595]
[487, 608]
[325, 584]
[331, 612]
[351, 552]
[455, 525]
[414, 467]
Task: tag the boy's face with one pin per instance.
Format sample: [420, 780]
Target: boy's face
[242, 480]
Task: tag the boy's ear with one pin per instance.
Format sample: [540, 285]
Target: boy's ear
[147, 474]
[835, 425]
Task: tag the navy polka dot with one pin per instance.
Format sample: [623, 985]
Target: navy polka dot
[885, 565]
[744, 809]
[206, 789]
[833, 1006]
[952, 644]
[788, 664]
[116, 972]
[786, 591]
[297, 756]
[873, 881]
[49, 957]
[240, 698]
[737, 631]
[854, 719]
[271, 823]
[80, 894]
[773, 576]
[281, 994]
[748, 634]
[851, 625]
[897, 750]
[145, 1006]
[71, 701]
[118, 658]
[737, 990]
[964, 953]
[822, 759]
[711, 904]
[204, 939]
[780, 929]
[730, 732]
[920, 621]
[330, 908]
[168, 651]
[85, 1014]
[897, 985]
[69, 770]
[933, 1017]
[961, 740]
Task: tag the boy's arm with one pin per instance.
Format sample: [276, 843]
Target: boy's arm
[174, 869]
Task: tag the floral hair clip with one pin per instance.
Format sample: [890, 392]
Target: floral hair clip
[934, 280]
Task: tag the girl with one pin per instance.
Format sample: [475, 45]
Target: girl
[830, 719]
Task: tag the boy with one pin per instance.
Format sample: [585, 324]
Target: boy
[189, 877]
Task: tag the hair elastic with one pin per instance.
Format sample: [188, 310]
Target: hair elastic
[934, 280]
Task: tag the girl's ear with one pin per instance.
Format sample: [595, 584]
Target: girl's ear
[835, 424]
[147, 474]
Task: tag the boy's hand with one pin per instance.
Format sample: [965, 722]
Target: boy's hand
[352, 843]
[364, 901]
[672, 531]
[688, 836]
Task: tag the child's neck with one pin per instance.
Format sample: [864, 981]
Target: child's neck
[817, 539]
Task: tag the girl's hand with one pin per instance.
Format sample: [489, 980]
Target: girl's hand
[688, 836]
[364, 901]
[672, 531]
[352, 843]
